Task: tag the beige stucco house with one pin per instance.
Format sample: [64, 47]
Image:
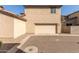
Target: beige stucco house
[11, 26]
[43, 20]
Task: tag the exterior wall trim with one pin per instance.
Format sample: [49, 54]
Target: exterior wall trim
[55, 6]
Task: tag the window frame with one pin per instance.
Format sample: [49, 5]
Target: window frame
[53, 10]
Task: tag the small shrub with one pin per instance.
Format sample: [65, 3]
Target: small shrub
[0, 44]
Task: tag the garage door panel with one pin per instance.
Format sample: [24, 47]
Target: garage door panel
[45, 29]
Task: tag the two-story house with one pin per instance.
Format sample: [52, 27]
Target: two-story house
[43, 20]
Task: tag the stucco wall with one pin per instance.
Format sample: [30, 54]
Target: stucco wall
[74, 29]
[6, 26]
[19, 28]
[41, 15]
[11, 28]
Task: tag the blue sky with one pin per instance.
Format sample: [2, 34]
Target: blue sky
[17, 9]
[66, 9]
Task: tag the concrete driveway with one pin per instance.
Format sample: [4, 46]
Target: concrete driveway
[52, 44]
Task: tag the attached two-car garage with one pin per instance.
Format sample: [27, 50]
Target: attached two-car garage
[45, 29]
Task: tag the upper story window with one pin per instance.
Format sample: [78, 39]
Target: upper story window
[53, 10]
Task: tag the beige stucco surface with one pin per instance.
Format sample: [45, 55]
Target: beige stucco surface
[74, 30]
[11, 28]
[19, 28]
[6, 26]
[41, 15]
[45, 30]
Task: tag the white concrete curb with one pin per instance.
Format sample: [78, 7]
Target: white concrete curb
[24, 40]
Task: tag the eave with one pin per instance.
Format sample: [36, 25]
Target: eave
[35, 6]
[12, 15]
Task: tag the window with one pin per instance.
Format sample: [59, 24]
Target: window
[53, 10]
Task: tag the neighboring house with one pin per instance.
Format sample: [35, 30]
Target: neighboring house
[43, 20]
[73, 19]
[11, 26]
[71, 22]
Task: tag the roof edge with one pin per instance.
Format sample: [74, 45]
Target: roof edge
[12, 15]
[72, 13]
[55, 6]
